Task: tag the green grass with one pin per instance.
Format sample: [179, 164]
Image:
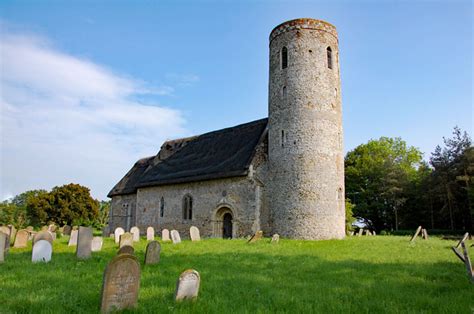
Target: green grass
[383, 274]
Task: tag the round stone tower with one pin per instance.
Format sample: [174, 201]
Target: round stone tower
[306, 163]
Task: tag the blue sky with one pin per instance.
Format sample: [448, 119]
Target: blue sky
[89, 87]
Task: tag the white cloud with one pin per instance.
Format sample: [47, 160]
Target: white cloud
[66, 119]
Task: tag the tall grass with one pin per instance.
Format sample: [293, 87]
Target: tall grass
[383, 274]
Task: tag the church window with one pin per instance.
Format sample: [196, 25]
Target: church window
[187, 207]
[329, 54]
[284, 58]
[162, 207]
[283, 91]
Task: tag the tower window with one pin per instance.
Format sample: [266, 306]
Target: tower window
[329, 54]
[162, 207]
[284, 58]
[283, 91]
[282, 138]
[187, 207]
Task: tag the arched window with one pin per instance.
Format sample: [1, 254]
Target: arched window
[284, 58]
[329, 53]
[162, 207]
[187, 207]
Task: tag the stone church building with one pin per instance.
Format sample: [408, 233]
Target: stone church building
[283, 174]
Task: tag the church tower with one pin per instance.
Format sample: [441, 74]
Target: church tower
[306, 162]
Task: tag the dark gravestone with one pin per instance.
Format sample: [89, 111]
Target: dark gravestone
[67, 230]
[121, 283]
[152, 255]
[84, 242]
[126, 249]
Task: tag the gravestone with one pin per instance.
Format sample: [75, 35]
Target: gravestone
[126, 249]
[84, 242]
[52, 228]
[21, 239]
[150, 234]
[188, 285]
[120, 284]
[258, 235]
[5, 230]
[360, 232]
[42, 250]
[175, 237]
[275, 238]
[3, 243]
[118, 232]
[165, 235]
[73, 238]
[152, 255]
[126, 239]
[135, 233]
[112, 236]
[351, 233]
[194, 232]
[96, 244]
[12, 233]
[67, 230]
[43, 235]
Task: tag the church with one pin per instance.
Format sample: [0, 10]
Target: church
[283, 174]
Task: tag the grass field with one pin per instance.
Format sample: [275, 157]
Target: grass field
[382, 274]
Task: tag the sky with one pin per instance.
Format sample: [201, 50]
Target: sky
[89, 87]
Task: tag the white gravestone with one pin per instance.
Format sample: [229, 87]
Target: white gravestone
[96, 244]
[136, 234]
[42, 251]
[165, 235]
[194, 232]
[73, 238]
[188, 285]
[175, 237]
[150, 234]
[3, 242]
[118, 232]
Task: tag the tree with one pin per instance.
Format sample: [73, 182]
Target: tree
[67, 204]
[451, 180]
[377, 174]
[349, 215]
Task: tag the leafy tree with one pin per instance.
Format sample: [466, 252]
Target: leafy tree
[67, 204]
[104, 209]
[349, 215]
[377, 174]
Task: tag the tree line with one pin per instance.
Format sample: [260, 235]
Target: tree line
[70, 204]
[391, 187]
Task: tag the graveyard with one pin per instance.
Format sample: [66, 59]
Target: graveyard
[358, 274]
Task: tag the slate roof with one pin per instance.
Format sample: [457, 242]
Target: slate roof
[218, 154]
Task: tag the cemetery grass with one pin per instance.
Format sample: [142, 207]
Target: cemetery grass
[382, 274]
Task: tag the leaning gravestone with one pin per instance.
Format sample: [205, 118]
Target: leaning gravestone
[258, 235]
[275, 238]
[3, 242]
[165, 235]
[42, 251]
[175, 237]
[73, 238]
[126, 239]
[84, 242]
[43, 235]
[96, 244]
[67, 230]
[21, 239]
[120, 284]
[126, 249]
[118, 232]
[152, 255]
[194, 232]
[150, 234]
[188, 285]
[135, 233]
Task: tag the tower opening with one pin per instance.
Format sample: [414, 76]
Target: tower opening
[284, 58]
[329, 54]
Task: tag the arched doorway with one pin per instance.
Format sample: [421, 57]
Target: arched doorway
[227, 226]
[224, 223]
